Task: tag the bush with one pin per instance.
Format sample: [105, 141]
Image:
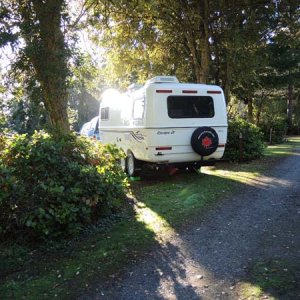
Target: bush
[52, 185]
[279, 129]
[252, 138]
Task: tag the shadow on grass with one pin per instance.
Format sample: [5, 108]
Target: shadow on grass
[66, 268]
[220, 249]
[116, 263]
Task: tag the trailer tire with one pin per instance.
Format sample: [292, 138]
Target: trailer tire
[131, 164]
[123, 164]
[204, 141]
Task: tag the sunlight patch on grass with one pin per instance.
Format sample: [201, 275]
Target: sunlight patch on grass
[254, 179]
[275, 277]
[280, 153]
[249, 291]
[152, 221]
[285, 149]
[242, 177]
[248, 173]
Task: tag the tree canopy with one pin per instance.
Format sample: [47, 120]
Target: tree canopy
[250, 48]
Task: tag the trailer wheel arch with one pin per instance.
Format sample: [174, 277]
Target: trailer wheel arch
[133, 165]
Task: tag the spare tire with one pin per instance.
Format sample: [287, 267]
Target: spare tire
[205, 141]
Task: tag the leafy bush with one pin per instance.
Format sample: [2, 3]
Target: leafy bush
[275, 131]
[252, 141]
[52, 185]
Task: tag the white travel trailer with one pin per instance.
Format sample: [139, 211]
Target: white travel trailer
[165, 122]
[91, 129]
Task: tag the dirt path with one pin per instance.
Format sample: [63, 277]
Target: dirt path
[210, 258]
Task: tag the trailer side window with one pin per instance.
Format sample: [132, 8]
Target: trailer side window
[180, 107]
[138, 109]
[104, 113]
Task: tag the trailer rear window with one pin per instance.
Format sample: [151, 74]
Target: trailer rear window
[190, 107]
[138, 109]
[104, 113]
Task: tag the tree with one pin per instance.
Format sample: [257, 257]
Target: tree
[239, 34]
[284, 53]
[39, 24]
[85, 89]
[192, 19]
[150, 37]
[27, 112]
[47, 51]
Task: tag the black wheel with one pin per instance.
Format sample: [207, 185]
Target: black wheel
[131, 164]
[205, 141]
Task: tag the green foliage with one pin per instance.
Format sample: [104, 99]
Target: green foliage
[84, 92]
[137, 48]
[2, 121]
[43, 47]
[252, 141]
[27, 113]
[274, 132]
[53, 185]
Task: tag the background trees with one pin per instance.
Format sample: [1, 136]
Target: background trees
[249, 48]
[36, 26]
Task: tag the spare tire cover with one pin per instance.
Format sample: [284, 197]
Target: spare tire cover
[204, 141]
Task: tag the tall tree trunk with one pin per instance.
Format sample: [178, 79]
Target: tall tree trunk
[49, 58]
[197, 34]
[217, 62]
[204, 70]
[250, 111]
[290, 106]
[204, 43]
[260, 107]
[227, 83]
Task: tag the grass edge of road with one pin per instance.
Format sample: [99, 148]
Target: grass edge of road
[70, 268]
[271, 279]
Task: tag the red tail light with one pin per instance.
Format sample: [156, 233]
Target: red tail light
[214, 92]
[163, 148]
[189, 92]
[164, 91]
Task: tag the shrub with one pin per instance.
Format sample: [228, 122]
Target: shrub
[252, 139]
[52, 185]
[275, 131]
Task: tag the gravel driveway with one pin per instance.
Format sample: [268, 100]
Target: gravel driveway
[210, 257]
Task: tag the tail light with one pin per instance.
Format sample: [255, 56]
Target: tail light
[214, 92]
[164, 91]
[163, 148]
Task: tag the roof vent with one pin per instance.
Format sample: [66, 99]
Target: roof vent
[163, 79]
[133, 87]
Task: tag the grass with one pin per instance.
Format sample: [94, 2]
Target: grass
[274, 277]
[157, 207]
[283, 149]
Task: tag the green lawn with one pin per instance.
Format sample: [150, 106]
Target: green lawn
[272, 277]
[283, 149]
[155, 209]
